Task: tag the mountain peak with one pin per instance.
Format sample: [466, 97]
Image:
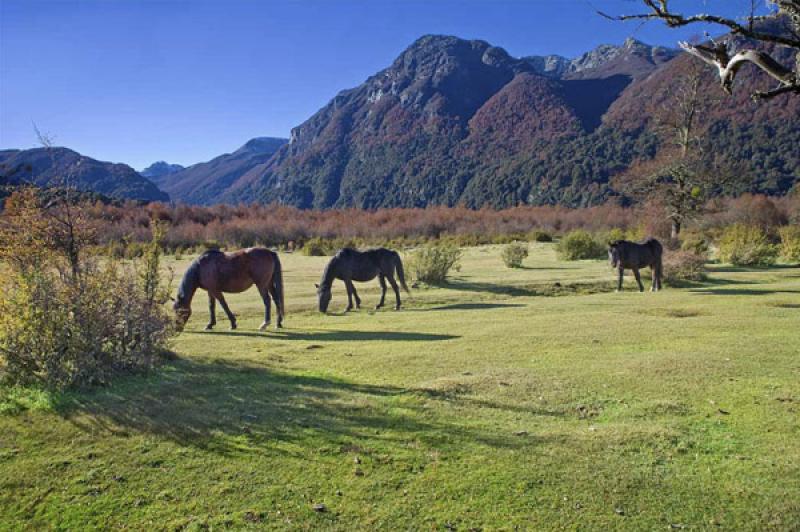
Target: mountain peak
[159, 169]
[632, 58]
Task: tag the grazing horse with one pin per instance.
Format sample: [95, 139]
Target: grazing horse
[218, 272]
[624, 254]
[351, 265]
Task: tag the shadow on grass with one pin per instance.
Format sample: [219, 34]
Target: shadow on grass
[468, 306]
[230, 407]
[543, 289]
[336, 336]
[740, 291]
[751, 269]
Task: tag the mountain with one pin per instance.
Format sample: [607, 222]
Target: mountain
[634, 59]
[452, 121]
[434, 127]
[204, 183]
[159, 169]
[57, 167]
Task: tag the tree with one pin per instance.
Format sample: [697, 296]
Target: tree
[721, 54]
[686, 171]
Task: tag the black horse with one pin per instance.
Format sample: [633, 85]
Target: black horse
[624, 254]
[351, 265]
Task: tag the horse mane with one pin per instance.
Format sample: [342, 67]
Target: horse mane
[329, 273]
[190, 279]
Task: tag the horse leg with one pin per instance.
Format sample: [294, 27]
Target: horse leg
[620, 274]
[638, 279]
[348, 284]
[396, 291]
[227, 310]
[381, 280]
[212, 312]
[654, 284]
[267, 304]
[278, 306]
[355, 295]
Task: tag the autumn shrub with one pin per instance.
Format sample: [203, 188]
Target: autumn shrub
[68, 317]
[514, 253]
[580, 245]
[746, 245]
[682, 266]
[790, 242]
[433, 262]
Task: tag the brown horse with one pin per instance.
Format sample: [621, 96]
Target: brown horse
[218, 272]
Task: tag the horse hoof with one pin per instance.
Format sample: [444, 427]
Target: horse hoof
[397, 307]
[264, 326]
[208, 327]
[279, 325]
[233, 326]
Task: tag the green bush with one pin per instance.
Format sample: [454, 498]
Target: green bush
[322, 247]
[315, 247]
[541, 236]
[579, 245]
[682, 266]
[790, 242]
[514, 253]
[746, 245]
[694, 243]
[433, 262]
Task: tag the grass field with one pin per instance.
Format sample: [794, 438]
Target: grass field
[502, 400]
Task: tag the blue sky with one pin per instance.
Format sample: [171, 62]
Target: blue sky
[184, 81]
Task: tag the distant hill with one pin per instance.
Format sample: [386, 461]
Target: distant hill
[204, 183]
[156, 171]
[59, 167]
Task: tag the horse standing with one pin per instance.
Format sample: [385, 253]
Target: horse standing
[624, 254]
[234, 272]
[351, 265]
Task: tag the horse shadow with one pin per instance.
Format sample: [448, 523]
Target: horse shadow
[338, 335]
[469, 306]
[740, 291]
[231, 408]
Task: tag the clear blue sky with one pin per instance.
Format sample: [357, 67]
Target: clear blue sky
[180, 80]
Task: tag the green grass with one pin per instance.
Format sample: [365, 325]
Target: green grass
[484, 404]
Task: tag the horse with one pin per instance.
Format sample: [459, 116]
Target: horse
[624, 254]
[234, 272]
[352, 265]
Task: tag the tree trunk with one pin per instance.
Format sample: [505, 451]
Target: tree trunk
[676, 229]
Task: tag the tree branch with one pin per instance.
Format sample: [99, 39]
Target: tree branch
[717, 54]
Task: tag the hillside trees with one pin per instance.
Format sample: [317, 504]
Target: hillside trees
[688, 170]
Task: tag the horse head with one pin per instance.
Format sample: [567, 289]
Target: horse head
[324, 296]
[614, 253]
[183, 310]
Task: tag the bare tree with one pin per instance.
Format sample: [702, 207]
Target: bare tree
[686, 171]
[728, 61]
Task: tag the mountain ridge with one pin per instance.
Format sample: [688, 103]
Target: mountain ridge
[58, 166]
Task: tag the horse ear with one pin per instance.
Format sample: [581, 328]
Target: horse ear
[171, 298]
[316, 285]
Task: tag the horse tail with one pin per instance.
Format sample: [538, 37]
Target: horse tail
[401, 276]
[277, 285]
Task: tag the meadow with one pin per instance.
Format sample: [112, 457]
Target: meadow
[534, 398]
